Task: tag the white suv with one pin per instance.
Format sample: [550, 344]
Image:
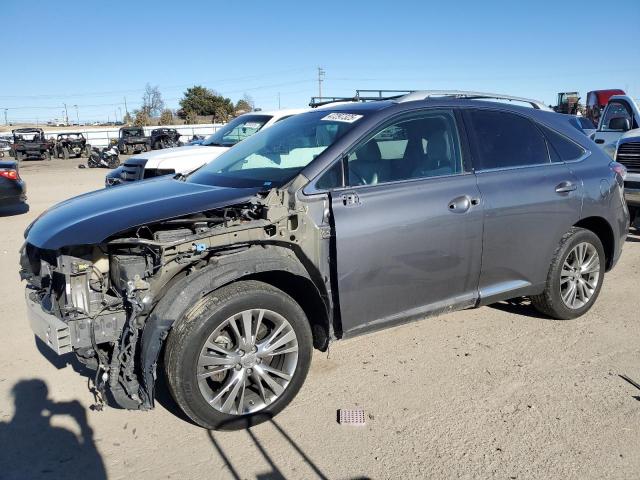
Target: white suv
[170, 161]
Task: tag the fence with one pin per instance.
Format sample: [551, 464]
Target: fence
[102, 137]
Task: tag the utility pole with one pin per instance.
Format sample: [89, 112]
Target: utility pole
[320, 80]
[5, 116]
[77, 115]
[126, 111]
[66, 114]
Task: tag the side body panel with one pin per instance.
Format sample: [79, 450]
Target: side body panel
[402, 253]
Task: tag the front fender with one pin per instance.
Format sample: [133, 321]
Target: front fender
[188, 290]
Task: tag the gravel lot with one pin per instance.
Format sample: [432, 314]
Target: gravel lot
[497, 392]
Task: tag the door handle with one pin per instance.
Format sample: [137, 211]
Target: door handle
[566, 187]
[599, 140]
[350, 199]
[462, 204]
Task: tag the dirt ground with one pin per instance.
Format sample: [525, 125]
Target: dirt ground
[497, 392]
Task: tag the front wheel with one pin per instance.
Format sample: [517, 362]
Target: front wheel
[238, 356]
[575, 276]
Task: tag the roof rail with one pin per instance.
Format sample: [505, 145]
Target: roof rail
[361, 96]
[424, 94]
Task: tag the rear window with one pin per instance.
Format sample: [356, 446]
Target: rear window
[561, 149]
[505, 140]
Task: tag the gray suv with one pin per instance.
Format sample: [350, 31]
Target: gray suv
[330, 224]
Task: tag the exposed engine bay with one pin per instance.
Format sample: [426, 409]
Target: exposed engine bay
[95, 300]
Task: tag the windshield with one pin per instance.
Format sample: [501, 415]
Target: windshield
[237, 130]
[279, 153]
[133, 133]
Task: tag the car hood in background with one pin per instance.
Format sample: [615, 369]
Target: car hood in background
[93, 217]
[178, 157]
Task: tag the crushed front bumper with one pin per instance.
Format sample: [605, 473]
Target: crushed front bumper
[78, 333]
[47, 327]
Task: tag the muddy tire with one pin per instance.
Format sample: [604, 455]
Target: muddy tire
[575, 276]
[239, 356]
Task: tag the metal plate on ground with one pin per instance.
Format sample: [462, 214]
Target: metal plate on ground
[351, 416]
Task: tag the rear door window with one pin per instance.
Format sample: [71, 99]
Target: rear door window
[505, 140]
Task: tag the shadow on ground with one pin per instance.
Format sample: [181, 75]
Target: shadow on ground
[13, 210]
[274, 473]
[33, 447]
[518, 307]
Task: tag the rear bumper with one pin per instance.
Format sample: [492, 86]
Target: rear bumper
[12, 191]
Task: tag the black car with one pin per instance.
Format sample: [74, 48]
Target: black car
[164, 138]
[12, 187]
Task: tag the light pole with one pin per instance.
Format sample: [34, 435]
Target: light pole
[77, 115]
[66, 114]
[5, 116]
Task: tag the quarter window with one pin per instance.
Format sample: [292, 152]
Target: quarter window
[561, 148]
[420, 147]
[505, 140]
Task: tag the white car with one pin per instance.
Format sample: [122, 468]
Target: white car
[186, 159]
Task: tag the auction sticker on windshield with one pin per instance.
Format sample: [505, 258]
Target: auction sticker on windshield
[342, 117]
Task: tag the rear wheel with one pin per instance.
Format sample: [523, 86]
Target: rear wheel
[238, 356]
[575, 276]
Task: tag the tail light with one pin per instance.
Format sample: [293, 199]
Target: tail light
[10, 174]
[619, 169]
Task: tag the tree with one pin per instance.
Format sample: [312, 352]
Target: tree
[152, 102]
[127, 119]
[141, 117]
[244, 105]
[166, 118]
[199, 100]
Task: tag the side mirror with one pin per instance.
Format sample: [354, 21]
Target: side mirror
[620, 123]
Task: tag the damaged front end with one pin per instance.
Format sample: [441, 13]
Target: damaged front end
[96, 300]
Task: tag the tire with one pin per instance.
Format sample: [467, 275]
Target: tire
[188, 339]
[147, 147]
[633, 216]
[551, 302]
[114, 162]
[65, 153]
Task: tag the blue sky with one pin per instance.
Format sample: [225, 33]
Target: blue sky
[93, 54]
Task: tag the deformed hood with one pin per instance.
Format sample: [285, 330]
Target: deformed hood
[93, 217]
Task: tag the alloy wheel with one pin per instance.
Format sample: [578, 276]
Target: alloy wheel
[580, 275]
[247, 362]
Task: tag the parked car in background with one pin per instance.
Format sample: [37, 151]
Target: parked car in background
[12, 187]
[71, 144]
[31, 143]
[186, 159]
[334, 223]
[619, 116]
[596, 101]
[132, 140]
[5, 145]
[583, 124]
[164, 138]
